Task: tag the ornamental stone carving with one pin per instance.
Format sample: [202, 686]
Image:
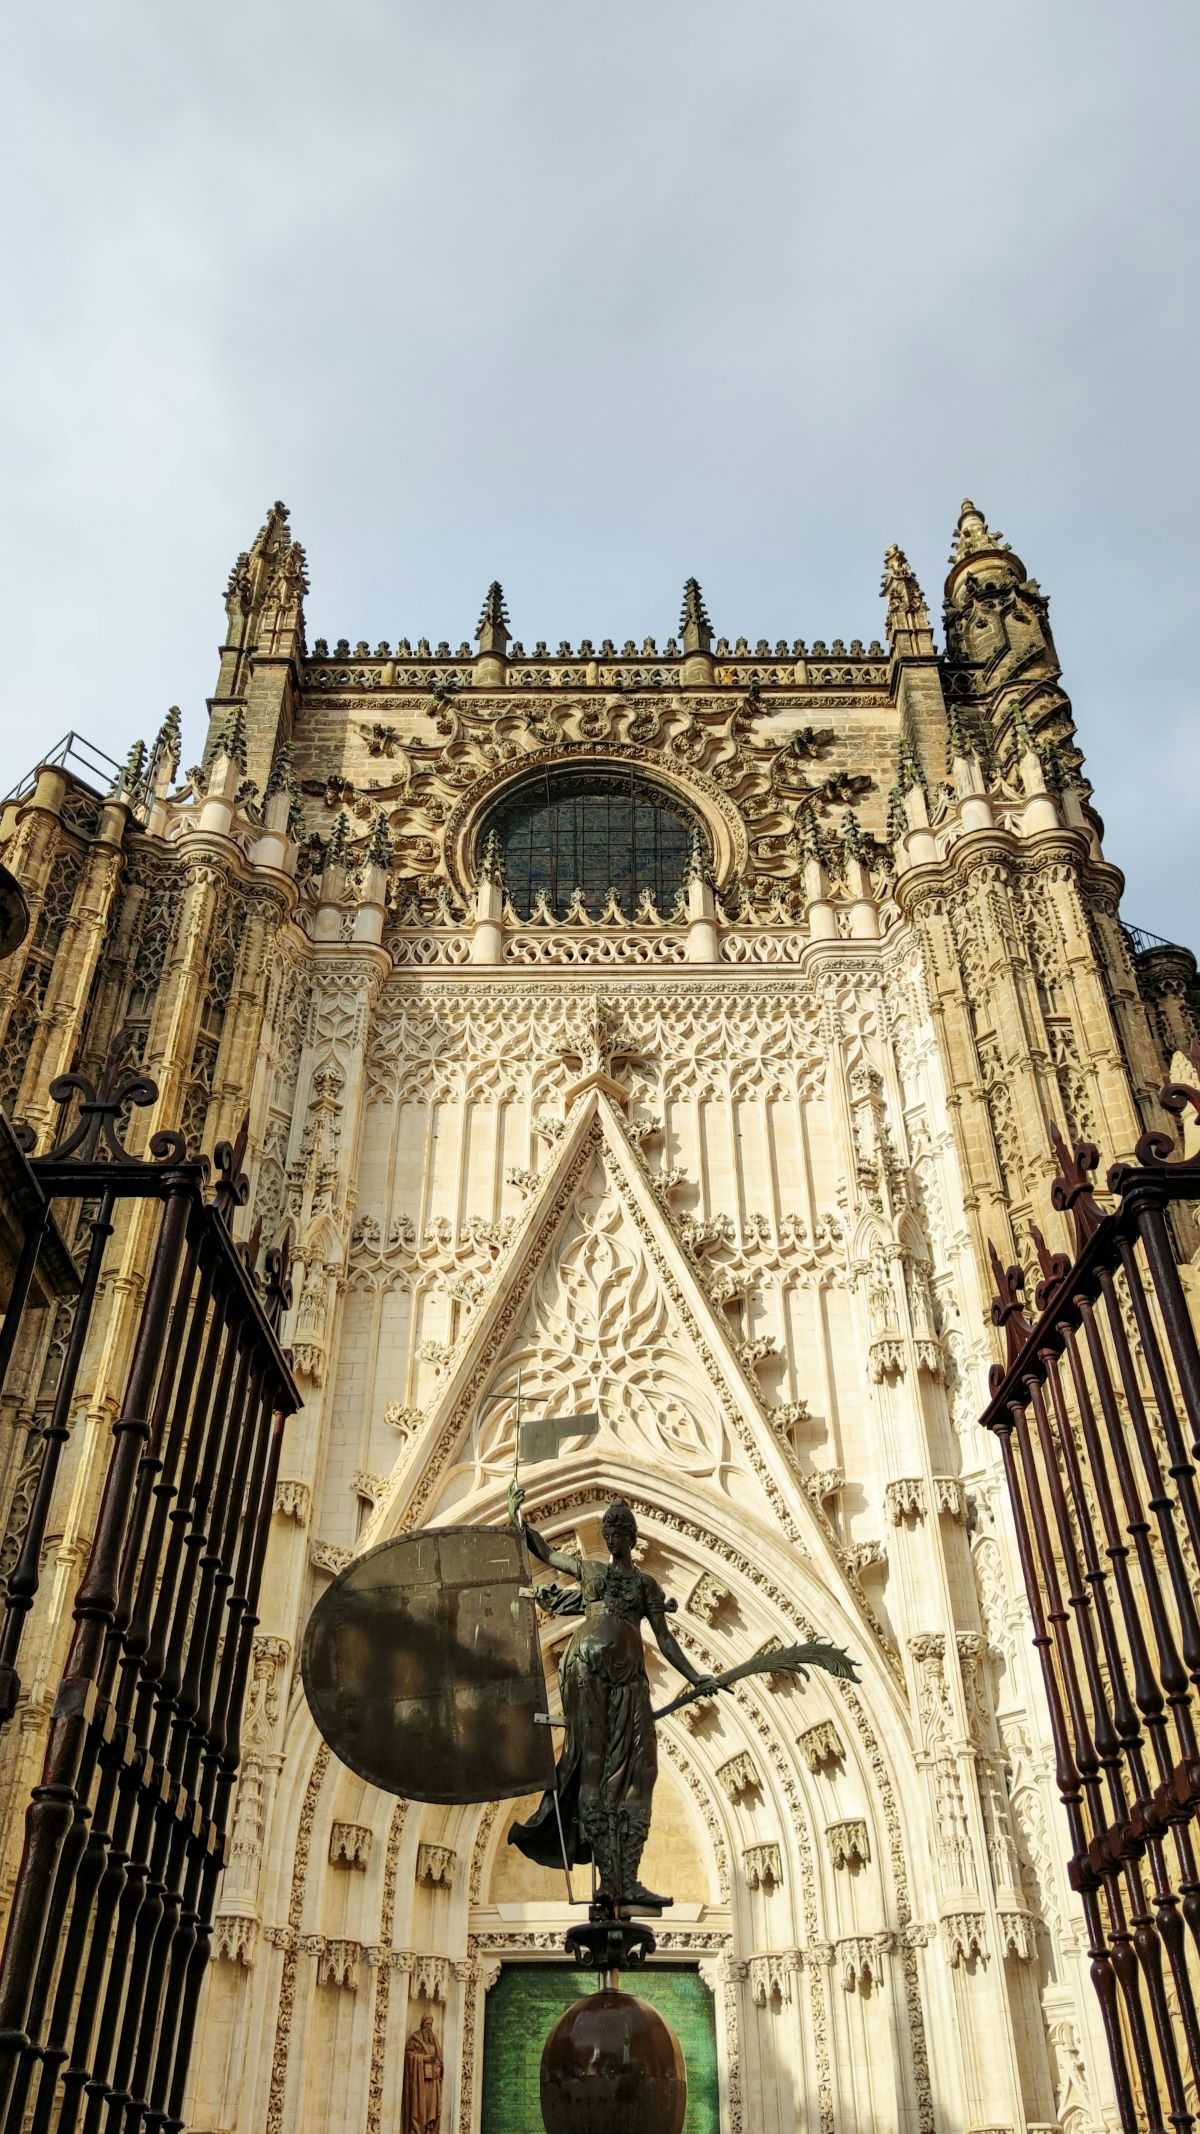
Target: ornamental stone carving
[350, 1844]
[763, 1865]
[965, 1937]
[234, 1938]
[329, 1556]
[293, 1500]
[771, 1978]
[738, 1775]
[430, 1978]
[436, 1865]
[708, 1597]
[859, 1960]
[1018, 1935]
[905, 1499]
[339, 1963]
[820, 1745]
[847, 1843]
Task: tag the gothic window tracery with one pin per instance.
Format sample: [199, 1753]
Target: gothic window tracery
[572, 835]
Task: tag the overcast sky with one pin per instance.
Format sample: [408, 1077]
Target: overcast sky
[592, 298]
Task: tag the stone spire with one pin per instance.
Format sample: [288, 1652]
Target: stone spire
[491, 664]
[492, 628]
[491, 859]
[131, 779]
[264, 642]
[973, 536]
[167, 749]
[694, 625]
[379, 843]
[697, 669]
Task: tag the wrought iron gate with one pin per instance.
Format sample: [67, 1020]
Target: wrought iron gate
[125, 1836]
[1097, 1414]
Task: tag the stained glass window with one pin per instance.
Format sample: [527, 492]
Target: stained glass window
[592, 830]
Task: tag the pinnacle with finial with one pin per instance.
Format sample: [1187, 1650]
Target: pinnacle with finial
[694, 624]
[233, 740]
[972, 535]
[1022, 733]
[337, 852]
[131, 774]
[379, 843]
[908, 767]
[698, 868]
[280, 779]
[897, 820]
[492, 629]
[852, 837]
[491, 859]
[808, 831]
[168, 742]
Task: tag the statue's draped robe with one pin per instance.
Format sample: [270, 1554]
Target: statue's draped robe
[609, 1751]
[421, 2107]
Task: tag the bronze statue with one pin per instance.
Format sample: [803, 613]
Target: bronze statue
[609, 1763]
[421, 2101]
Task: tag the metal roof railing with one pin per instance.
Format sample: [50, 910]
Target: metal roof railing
[76, 754]
[1139, 940]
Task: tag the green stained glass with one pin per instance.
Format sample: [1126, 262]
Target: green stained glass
[524, 2005]
[592, 830]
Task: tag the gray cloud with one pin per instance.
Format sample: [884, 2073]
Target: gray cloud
[590, 299]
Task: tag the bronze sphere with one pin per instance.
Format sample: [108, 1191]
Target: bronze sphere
[612, 2065]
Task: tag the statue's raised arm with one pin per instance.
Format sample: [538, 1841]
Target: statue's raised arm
[556, 1559]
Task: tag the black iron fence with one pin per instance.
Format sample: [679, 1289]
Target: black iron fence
[1097, 1413]
[125, 1838]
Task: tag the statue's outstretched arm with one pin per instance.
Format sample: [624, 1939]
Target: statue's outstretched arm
[672, 1650]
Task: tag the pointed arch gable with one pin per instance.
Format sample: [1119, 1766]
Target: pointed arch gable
[775, 1495]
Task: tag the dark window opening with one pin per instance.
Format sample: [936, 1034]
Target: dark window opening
[592, 831]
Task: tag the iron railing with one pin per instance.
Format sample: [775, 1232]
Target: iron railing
[1097, 1414]
[125, 1837]
[74, 753]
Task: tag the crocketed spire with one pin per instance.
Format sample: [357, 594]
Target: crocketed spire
[972, 535]
[492, 628]
[694, 624]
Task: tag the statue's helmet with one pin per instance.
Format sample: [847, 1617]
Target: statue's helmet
[618, 1519]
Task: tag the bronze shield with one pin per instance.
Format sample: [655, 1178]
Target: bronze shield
[422, 1668]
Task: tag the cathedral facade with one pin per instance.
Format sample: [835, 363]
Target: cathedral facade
[664, 1033]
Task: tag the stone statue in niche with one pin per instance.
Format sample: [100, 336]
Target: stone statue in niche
[609, 1763]
[421, 2099]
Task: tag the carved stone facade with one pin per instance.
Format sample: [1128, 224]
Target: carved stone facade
[721, 1167]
